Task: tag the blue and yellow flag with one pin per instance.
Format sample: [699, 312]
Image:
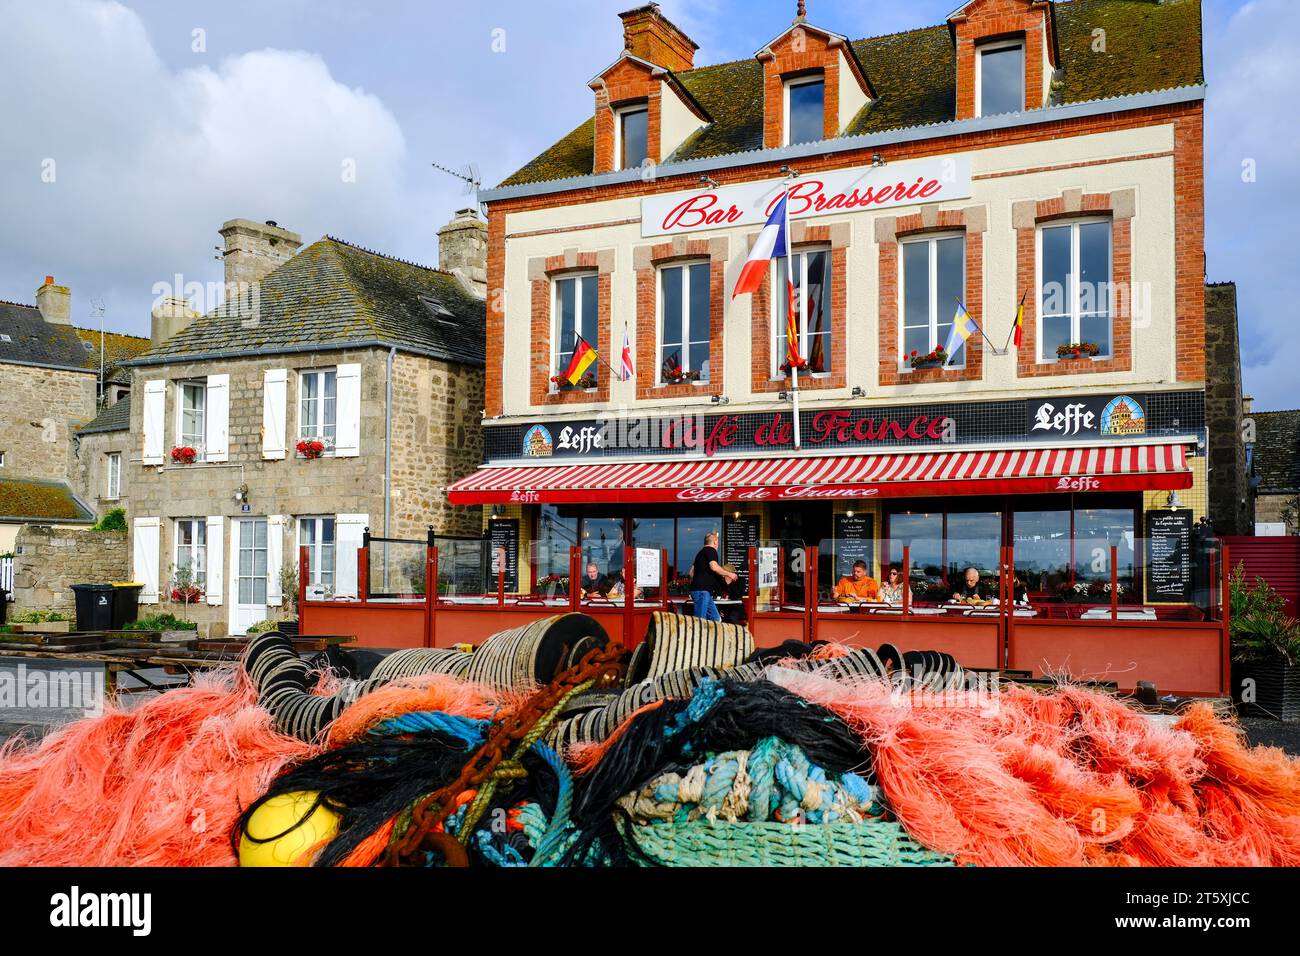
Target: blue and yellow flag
[963, 327]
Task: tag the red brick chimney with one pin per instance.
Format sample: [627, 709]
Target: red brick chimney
[651, 36]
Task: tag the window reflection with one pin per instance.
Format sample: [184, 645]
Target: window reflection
[1095, 531]
[1042, 548]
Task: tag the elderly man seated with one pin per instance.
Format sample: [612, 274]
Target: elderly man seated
[857, 586]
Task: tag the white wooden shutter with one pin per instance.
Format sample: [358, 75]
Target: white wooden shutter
[348, 533]
[275, 384]
[217, 438]
[155, 420]
[216, 558]
[347, 384]
[274, 559]
[145, 546]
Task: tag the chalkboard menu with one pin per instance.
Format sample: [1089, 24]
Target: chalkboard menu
[1169, 556]
[738, 536]
[503, 534]
[854, 541]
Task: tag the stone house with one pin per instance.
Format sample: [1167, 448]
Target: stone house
[1276, 467]
[54, 378]
[339, 390]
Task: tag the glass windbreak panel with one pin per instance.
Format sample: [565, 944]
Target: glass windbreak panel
[556, 534]
[602, 554]
[973, 542]
[807, 111]
[690, 538]
[463, 569]
[1096, 530]
[397, 568]
[922, 535]
[1041, 542]
[1002, 80]
[840, 579]
[551, 577]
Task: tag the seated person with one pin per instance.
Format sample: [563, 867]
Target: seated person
[593, 583]
[971, 587]
[616, 588]
[892, 588]
[1019, 590]
[857, 586]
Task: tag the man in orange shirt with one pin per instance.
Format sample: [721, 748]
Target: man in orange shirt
[858, 586]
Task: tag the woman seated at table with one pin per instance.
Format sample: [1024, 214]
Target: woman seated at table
[891, 591]
[616, 589]
[858, 586]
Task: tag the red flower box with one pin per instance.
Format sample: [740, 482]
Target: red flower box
[184, 455]
[311, 448]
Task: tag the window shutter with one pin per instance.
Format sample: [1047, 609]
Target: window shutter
[347, 442]
[348, 532]
[154, 421]
[274, 559]
[275, 385]
[217, 438]
[216, 559]
[145, 548]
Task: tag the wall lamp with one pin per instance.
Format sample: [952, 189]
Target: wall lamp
[877, 160]
[790, 171]
[858, 392]
[709, 181]
[1174, 501]
[720, 400]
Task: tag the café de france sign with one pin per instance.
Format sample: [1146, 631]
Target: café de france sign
[838, 191]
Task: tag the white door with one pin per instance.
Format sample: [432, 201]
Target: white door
[248, 574]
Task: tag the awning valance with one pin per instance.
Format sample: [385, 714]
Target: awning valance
[1143, 467]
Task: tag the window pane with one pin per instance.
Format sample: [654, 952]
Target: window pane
[779, 325]
[1042, 548]
[1094, 284]
[917, 340]
[698, 355]
[1096, 529]
[566, 304]
[817, 312]
[589, 330]
[1002, 80]
[655, 533]
[327, 411]
[327, 530]
[602, 543]
[916, 294]
[1056, 270]
[690, 538]
[951, 256]
[307, 532]
[635, 137]
[923, 534]
[672, 340]
[556, 533]
[806, 112]
[973, 540]
[1096, 329]
[699, 326]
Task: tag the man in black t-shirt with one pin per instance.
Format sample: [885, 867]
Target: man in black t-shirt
[708, 577]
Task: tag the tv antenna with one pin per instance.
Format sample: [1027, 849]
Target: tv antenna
[467, 174]
[97, 311]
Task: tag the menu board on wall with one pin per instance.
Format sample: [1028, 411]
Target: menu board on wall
[738, 536]
[1169, 556]
[503, 535]
[854, 541]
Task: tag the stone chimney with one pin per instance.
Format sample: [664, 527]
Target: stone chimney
[170, 316]
[55, 302]
[462, 250]
[1247, 404]
[651, 36]
[254, 249]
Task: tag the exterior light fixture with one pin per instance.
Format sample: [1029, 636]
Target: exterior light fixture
[877, 160]
[720, 400]
[790, 171]
[1174, 502]
[859, 392]
[708, 181]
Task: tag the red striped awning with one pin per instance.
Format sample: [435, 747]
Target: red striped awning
[1016, 471]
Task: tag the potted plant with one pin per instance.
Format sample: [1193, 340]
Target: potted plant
[172, 630]
[185, 589]
[587, 382]
[313, 446]
[1078, 350]
[184, 455]
[41, 622]
[936, 359]
[1265, 650]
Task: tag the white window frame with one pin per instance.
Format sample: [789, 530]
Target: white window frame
[113, 475]
[315, 566]
[196, 550]
[318, 427]
[992, 47]
[619, 113]
[201, 445]
[686, 342]
[2, 459]
[1073, 292]
[556, 349]
[785, 95]
[932, 240]
[777, 357]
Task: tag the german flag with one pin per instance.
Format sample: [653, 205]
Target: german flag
[583, 356]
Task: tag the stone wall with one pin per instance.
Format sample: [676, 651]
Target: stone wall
[88, 469]
[1273, 508]
[1229, 494]
[51, 560]
[42, 408]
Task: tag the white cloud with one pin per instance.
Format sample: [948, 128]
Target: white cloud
[149, 161]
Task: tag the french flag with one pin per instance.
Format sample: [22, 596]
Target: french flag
[771, 245]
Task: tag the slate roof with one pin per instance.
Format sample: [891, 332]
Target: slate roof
[114, 418]
[334, 293]
[1150, 46]
[1277, 450]
[31, 500]
[118, 348]
[34, 341]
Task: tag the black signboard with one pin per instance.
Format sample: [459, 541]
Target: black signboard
[1169, 556]
[1088, 416]
[503, 535]
[854, 541]
[738, 536]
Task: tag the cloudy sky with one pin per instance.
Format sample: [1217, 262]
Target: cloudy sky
[132, 130]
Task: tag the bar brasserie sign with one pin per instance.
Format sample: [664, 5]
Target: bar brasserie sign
[815, 194]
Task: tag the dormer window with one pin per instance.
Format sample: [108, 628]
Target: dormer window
[633, 144]
[805, 110]
[1000, 78]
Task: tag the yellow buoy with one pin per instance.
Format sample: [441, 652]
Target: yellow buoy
[291, 812]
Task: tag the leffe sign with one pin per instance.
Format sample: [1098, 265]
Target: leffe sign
[820, 194]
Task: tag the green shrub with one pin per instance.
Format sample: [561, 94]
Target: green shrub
[262, 627]
[1259, 626]
[160, 622]
[39, 617]
[115, 520]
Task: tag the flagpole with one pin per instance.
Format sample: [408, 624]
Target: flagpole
[1016, 321]
[789, 305]
[979, 326]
